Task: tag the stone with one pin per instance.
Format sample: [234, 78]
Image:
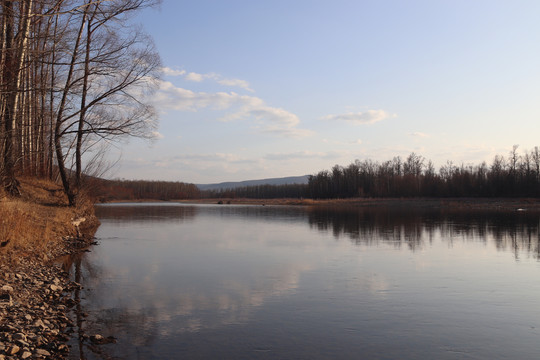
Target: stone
[13, 350]
[56, 288]
[100, 340]
[39, 323]
[96, 338]
[19, 336]
[7, 288]
[42, 352]
[22, 343]
[5, 299]
[26, 355]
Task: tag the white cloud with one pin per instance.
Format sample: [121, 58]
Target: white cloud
[367, 117]
[172, 72]
[157, 135]
[270, 120]
[194, 77]
[175, 98]
[235, 82]
[265, 119]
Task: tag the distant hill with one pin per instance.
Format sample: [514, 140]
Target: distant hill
[274, 181]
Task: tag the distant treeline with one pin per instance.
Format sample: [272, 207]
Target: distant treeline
[517, 175]
[114, 190]
[514, 176]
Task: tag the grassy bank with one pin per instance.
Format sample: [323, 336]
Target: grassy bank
[37, 224]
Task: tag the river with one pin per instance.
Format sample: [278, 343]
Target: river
[177, 281]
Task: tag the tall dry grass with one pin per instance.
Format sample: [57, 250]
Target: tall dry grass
[36, 222]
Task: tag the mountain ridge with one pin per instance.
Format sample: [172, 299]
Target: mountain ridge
[303, 179]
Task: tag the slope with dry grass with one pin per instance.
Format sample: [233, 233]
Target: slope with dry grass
[37, 224]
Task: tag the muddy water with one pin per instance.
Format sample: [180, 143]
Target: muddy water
[250, 282]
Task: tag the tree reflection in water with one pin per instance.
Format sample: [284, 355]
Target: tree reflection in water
[209, 300]
[519, 231]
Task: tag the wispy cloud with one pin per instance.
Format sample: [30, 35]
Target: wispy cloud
[157, 135]
[235, 82]
[265, 119]
[172, 97]
[172, 72]
[306, 155]
[270, 120]
[197, 77]
[419, 134]
[357, 141]
[367, 117]
[194, 77]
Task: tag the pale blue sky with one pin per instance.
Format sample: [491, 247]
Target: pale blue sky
[258, 89]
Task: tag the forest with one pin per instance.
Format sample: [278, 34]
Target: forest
[75, 77]
[130, 190]
[514, 175]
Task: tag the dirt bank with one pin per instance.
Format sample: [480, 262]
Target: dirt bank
[35, 292]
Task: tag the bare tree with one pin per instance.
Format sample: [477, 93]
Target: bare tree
[72, 73]
[14, 45]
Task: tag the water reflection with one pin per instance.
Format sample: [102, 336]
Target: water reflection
[516, 231]
[148, 212]
[190, 281]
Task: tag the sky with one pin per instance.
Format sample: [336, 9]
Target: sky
[263, 89]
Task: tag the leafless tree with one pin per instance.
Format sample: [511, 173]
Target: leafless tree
[72, 73]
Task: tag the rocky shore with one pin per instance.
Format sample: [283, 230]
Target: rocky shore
[37, 302]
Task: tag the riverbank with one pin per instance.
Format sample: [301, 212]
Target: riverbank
[35, 292]
[488, 204]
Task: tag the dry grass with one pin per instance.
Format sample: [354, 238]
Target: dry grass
[35, 223]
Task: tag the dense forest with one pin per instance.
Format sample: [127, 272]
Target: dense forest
[74, 76]
[114, 190]
[516, 175]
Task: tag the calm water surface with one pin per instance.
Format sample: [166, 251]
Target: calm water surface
[173, 281]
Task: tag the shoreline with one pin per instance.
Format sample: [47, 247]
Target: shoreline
[36, 292]
[487, 204]
[38, 306]
[37, 302]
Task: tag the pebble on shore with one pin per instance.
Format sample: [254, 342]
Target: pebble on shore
[35, 301]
